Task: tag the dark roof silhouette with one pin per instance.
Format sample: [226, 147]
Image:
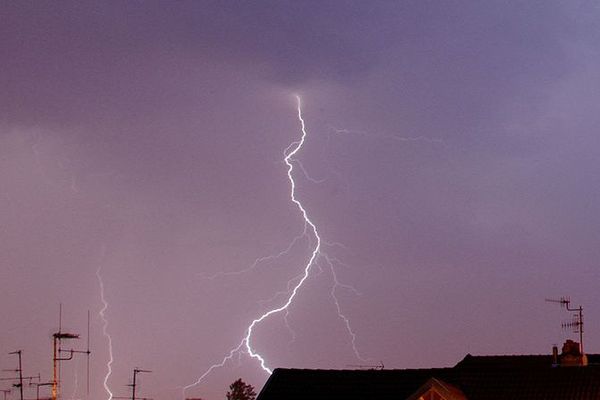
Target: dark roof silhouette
[510, 361]
[477, 377]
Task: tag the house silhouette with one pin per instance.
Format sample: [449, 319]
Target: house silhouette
[565, 376]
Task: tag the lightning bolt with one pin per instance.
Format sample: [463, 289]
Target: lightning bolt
[294, 284]
[398, 138]
[106, 334]
[337, 284]
[259, 261]
[289, 152]
[306, 175]
[246, 343]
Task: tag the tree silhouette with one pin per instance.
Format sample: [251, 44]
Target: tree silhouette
[240, 390]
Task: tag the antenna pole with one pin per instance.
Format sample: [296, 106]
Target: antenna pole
[55, 340]
[37, 393]
[580, 326]
[361, 366]
[55, 351]
[88, 353]
[578, 323]
[58, 352]
[20, 384]
[135, 372]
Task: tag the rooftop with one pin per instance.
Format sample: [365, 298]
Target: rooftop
[503, 377]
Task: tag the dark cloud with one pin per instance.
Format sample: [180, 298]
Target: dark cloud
[452, 151]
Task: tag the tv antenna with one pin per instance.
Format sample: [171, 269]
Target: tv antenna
[577, 321]
[20, 371]
[20, 378]
[134, 384]
[360, 366]
[59, 354]
[37, 389]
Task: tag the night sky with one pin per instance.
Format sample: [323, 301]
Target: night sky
[451, 168]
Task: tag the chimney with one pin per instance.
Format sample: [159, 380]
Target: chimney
[571, 355]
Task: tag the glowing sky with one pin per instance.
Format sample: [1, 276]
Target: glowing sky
[451, 167]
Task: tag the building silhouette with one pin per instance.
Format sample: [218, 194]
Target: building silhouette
[569, 375]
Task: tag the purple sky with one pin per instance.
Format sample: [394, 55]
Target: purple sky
[451, 165]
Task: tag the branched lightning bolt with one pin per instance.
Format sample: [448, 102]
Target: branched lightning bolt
[290, 151]
[295, 283]
[289, 327]
[337, 284]
[259, 260]
[306, 175]
[388, 136]
[106, 334]
[246, 343]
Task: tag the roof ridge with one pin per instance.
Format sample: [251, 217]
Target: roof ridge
[361, 370]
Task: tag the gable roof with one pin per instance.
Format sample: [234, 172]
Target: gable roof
[479, 378]
[445, 390]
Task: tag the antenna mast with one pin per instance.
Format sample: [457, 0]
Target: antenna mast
[58, 337]
[20, 370]
[88, 355]
[37, 393]
[134, 384]
[577, 322]
[361, 366]
[20, 378]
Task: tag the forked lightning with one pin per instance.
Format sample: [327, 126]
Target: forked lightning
[295, 284]
[106, 334]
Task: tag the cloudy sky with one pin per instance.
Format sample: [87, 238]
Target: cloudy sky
[450, 167]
